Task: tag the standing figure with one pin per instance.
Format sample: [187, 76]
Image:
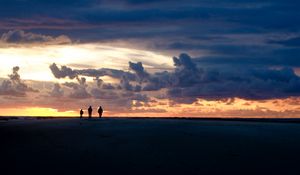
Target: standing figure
[100, 111]
[81, 113]
[90, 110]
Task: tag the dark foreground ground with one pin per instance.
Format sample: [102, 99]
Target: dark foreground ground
[149, 146]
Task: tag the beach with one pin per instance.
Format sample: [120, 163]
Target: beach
[149, 146]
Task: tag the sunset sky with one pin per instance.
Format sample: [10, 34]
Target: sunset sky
[158, 58]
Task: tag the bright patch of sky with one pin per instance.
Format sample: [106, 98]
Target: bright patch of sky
[34, 61]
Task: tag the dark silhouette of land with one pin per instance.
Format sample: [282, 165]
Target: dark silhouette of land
[149, 146]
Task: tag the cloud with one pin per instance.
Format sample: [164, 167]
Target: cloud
[126, 85]
[57, 91]
[197, 27]
[15, 86]
[191, 81]
[108, 86]
[79, 89]
[104, 94]
[152, 110]
[139, 70]
[292, 42]
[124, 100]
[225, 82]
[65, 71]
[128, 89]
[22, 37]
[100, 84]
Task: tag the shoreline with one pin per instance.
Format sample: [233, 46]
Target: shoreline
[267, 120]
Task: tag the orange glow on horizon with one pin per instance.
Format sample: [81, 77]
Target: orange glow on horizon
[36, 111]
[230, 108]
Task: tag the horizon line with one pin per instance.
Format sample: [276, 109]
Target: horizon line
[284, 120]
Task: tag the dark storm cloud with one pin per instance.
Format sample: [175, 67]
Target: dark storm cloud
[245, 55]
[65, 71]
[250, 14]
[191, 25]
[194, 81]
[228, 81]
[191, 81]
[241, 61]
[139, 70]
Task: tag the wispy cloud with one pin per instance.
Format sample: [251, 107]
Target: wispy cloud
[21, 37]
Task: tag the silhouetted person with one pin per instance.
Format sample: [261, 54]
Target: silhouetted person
[81, 113]
[100, 111]
[90, 110]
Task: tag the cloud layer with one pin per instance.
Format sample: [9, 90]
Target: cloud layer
[190, 81]
[227, 32]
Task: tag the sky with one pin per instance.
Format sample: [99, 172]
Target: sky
[156, 58]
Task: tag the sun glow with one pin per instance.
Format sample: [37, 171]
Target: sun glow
[166, 108]
[34, 61]
[35, 111]
[234, 107]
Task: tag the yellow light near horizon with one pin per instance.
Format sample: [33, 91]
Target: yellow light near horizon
[238, 108]
[35, 111]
